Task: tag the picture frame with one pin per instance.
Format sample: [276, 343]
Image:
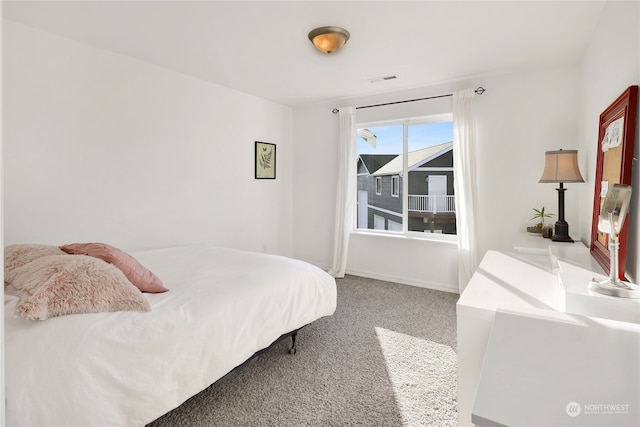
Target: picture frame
[265, 160]
[614, 159]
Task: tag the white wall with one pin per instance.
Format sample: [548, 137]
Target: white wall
[103, 147]
[523, 114]
[2, 364]
[611, 65]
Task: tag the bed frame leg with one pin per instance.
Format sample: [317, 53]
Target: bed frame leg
[292, 350]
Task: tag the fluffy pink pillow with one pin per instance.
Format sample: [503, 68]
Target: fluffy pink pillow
[144, 279]
[56, 285]
[15, 256]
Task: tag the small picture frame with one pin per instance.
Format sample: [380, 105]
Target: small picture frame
[265, 160]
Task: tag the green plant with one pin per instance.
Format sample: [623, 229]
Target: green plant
[540, 215]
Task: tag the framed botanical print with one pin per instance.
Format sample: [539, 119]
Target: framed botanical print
[265, 158]
[613, 166]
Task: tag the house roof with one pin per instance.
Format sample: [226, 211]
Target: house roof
[414, 159]
[373, 162]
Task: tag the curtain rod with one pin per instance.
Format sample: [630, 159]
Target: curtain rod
[479, 90]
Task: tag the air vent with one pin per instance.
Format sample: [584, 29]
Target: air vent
[383, 78]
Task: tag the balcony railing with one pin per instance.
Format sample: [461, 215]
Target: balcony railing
[432, 204]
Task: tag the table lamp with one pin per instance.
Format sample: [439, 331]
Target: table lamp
[561, 166]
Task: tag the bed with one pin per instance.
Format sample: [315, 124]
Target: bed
[130, 367]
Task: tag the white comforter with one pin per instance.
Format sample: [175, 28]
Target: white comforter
[129, 368]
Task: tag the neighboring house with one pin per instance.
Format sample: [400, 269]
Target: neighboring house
[431, 205]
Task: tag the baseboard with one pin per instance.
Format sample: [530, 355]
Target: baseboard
[406, 281]
[321, 266]
[397, 279]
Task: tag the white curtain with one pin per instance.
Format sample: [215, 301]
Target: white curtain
[464, 160]
[345, 192]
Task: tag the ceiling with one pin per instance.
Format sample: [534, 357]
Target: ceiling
[262, 48]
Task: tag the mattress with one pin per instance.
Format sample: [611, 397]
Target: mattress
[129, 368]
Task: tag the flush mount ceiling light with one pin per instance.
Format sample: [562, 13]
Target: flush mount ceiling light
[329, 39]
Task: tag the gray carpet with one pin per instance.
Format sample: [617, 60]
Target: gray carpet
[387, 357]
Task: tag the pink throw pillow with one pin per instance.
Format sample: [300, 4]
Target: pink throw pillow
[137, 274]
[20, 254]
[58, 285]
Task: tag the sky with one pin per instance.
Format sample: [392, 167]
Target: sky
[389, 139]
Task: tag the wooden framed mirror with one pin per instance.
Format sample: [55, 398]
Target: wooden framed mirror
[614, 159]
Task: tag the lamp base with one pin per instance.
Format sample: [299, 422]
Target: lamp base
[618, 288]
[565, 238]
[561, 232]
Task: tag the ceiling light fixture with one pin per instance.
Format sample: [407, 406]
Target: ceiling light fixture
[329, 39]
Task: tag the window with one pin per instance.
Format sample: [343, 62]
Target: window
[405, 177]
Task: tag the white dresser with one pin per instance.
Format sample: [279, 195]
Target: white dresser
[535, 347]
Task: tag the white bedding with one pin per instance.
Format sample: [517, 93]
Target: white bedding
[129, 368]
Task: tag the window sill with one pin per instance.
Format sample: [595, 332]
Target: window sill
[449, 240]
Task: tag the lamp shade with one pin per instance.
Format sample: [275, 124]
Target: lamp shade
[329, 39]
[561, 166]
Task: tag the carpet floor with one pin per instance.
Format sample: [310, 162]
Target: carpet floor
[387, 357]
